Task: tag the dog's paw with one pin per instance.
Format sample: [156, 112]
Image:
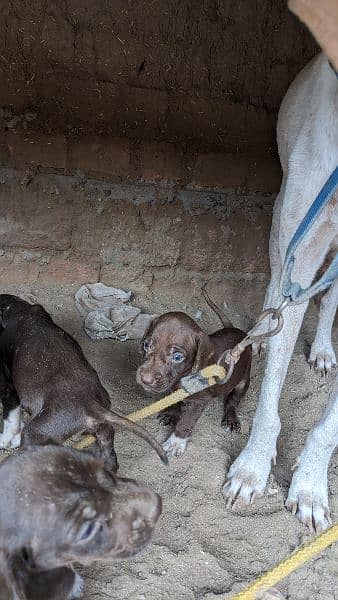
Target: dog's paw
[78, 586]
[322, 357]
[169, 417]
[308, 499]
[231, 423]
[9, 440]
[247, 477]
[16, 440]
[175, 446]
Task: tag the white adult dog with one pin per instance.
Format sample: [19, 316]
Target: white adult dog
[307, 135]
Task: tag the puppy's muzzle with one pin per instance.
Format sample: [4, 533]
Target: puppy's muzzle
[152, 380]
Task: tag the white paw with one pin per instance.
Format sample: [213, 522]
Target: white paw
[175, 446]
[247, 476]
[322, 357]
[10, 441]
[308, 499]
[11, 435]
[16, 440]
[77, 590]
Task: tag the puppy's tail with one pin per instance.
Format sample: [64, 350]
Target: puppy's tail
[222, 317]
[103, 415]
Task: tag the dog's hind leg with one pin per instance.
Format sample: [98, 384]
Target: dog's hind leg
[230, 420]
[322, 355]
[308, 493]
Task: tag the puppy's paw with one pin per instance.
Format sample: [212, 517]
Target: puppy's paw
[322, 357]
[78, 586]
[8, 440]
[175, 446]
[16, 440]
[231, 422]
[170, 416]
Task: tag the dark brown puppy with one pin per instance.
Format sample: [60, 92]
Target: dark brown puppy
[59, 506]
[175, 346]
[44, 370]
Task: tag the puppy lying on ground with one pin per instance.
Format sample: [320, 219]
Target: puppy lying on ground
[59, 506]
[44, 370]
[175, 346]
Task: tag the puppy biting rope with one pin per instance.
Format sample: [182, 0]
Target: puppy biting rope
[190, 385]
[196, 382]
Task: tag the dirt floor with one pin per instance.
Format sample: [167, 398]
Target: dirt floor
[200, 549]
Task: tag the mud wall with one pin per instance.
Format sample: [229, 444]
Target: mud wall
[161, 242]
[210, 73]
[138, 147]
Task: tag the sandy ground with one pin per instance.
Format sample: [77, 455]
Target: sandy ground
[200, 549]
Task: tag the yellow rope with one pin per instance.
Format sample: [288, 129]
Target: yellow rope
[290, 564]
[208, 373]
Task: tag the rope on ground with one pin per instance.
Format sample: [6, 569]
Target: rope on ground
[290, 564]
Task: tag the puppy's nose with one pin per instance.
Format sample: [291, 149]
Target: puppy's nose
[147, 377]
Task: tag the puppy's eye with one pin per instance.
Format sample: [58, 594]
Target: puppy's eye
[177, 357]
[87, 530]
[146, 345]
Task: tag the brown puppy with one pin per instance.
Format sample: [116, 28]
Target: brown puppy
[175, 346]
[59, 506]
[44, 371]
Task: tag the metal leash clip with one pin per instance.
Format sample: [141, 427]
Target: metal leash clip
[231, 357]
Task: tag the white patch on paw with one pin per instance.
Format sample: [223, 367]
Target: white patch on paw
[16, 440]
[11, 435]
[247, 476]
[175, 446]
[322, 356]
[77, 590]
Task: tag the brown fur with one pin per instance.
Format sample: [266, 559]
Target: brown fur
[43, 369]
[50, 498]
[158, 373]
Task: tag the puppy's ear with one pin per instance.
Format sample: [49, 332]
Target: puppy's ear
[147, 332]
[11, 585]
[204, 352]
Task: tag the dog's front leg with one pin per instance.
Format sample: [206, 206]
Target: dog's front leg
[248, 475]
[308, 494]
[191, 411]
[322, 354]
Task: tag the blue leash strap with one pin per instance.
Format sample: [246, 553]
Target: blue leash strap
[294, 290]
